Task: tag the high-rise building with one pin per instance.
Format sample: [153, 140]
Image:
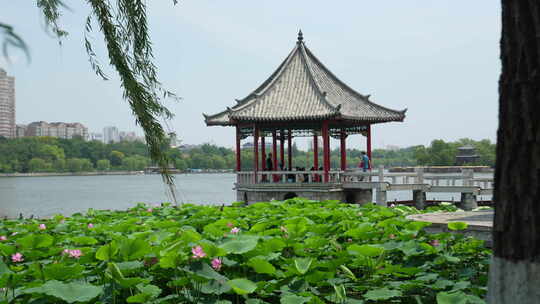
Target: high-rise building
[7, 105]
[21, 131]
[96, 136]
[111, 135]
[57, 129]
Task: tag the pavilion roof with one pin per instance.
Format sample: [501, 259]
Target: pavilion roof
[303, 89]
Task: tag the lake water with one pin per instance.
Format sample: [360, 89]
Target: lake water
[46, 196]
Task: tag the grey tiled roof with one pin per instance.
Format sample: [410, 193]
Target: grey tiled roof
[303, 89]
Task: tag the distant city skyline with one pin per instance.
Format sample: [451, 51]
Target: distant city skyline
[7, 105]
[436, 59]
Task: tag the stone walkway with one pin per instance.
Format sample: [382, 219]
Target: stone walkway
[479, 222]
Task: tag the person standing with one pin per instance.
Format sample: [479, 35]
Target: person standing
[365, 164]
[269, 163]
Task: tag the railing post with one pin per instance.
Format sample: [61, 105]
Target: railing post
[419, 175]
[468, 175]
[381, 173]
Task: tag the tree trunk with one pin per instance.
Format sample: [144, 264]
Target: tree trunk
[515, 269]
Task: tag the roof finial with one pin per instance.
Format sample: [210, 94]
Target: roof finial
[300, 36]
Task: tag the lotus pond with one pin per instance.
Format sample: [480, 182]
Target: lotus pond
[296, 251]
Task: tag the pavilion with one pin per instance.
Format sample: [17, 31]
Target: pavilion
[302, 98]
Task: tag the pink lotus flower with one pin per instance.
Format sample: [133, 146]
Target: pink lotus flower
[349, 240]
[90, 225]
[75, 253]
[230, 225]
[198, 252]
[3, 238]
[17, 257]
[283, 229]
[42, 227]
[149, 210]
[235, 230]
[65, 251]
[392, 205]
[216, 264]
[435, 243]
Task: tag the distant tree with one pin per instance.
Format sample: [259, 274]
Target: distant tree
[134, 163]
[38, 165]
[116, 158]
[74, 164]
[59, 165]
[181, 164]
[103, 165]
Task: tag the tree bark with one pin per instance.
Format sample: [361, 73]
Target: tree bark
[515, 269]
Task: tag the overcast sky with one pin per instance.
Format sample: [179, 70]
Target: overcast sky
[439, 59]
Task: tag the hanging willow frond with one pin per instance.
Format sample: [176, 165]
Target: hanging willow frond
[11, 39]
[125, 31]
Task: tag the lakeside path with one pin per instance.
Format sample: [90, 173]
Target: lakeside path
[480, 223]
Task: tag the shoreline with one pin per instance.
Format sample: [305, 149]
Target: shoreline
[97, 173]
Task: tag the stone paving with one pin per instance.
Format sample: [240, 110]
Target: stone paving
[479, 222]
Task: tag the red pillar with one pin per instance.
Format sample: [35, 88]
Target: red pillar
[289, 151]
[316, 152]
[263, 153]
[326, 152]
[343, 149]
[282, 148]
[255, 152]
[238, 151]
[274, 151]
[368, 144]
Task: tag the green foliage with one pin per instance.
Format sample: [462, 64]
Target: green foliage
[297, 251]
[103, 165]
[47, 154]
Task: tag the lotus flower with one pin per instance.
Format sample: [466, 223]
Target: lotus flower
[216, 264]
[3, 238]
[230, 225]
[17, 257]
[42, 227]
[90, 225]
[75, 253]
[435, 243]
[149, 210]
[392, 236]
[283, 229]
[198, 252]
[235, 230]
